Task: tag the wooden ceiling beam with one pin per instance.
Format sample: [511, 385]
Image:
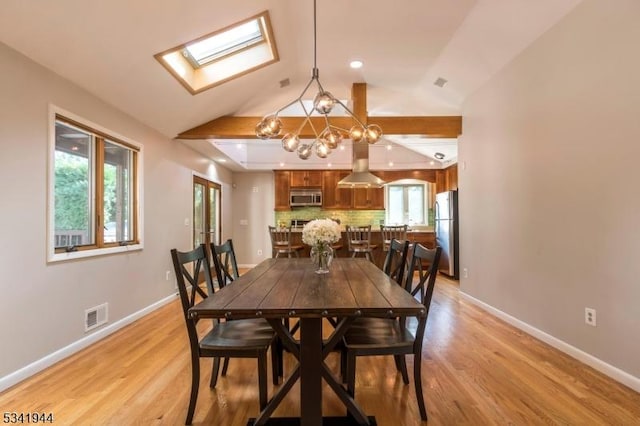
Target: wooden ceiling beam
[231, 127]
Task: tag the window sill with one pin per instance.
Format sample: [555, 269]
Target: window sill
[81, 254]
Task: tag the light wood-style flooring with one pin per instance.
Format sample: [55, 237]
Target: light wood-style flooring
[477, 370]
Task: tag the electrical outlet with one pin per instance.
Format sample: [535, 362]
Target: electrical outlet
[465, 273]
[167, 274]
[590, 316]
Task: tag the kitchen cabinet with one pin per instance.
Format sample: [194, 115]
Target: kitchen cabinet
[368, 198]
[281, 184]
[305, 178]
[332, 196]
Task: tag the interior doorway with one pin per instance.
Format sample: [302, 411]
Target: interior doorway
[206, 212]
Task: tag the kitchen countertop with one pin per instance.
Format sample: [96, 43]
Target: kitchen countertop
[377, 230]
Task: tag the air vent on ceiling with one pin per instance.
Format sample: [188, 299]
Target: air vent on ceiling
[96, 316]
[440, 82]
[284, 83]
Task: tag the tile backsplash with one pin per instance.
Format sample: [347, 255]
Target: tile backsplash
[346, 217]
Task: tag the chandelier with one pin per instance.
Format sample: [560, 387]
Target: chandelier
[329, 136]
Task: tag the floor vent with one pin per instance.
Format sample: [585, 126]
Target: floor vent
[95, 317]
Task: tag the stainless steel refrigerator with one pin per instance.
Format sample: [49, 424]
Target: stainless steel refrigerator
[446, 229]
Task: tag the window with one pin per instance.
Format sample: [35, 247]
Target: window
[223, 55]
[407, 203]
[93, 191]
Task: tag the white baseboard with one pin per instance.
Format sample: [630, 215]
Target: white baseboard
[247, 266]
[607, 369]
[47, 361]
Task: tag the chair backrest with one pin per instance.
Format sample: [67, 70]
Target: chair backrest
[390, 232]
[280, 238]
[358, 237]
[226, 257]
[395, 263]
[426, 274]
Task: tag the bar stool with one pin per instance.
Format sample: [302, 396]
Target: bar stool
[391, 232]
[359, 241]
[281, 242]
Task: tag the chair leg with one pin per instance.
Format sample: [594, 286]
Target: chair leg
[275, 362]
[401, 364]
[262, 379]
[351, 373]
[343, 365]
[225, 366]
[214, 372]
[417, 379]
[195, 383]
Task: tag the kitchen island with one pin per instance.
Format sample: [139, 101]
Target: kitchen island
[424, 237]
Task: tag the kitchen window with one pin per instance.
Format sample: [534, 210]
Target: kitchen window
[93, 190]
[406, 203]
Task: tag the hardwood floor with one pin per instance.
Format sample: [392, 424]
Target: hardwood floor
[477, 370]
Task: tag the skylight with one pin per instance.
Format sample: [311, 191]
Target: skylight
[223, 55]
[225, 43]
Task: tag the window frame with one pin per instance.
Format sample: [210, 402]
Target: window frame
[405, 183]
[98, 248]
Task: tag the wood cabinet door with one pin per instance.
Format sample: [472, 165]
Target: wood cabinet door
[368, 198]
[281, 185]
[314, 178]
[306, 178]
[332, 196]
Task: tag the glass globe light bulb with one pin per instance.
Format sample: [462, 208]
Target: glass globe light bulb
[331, 138]
[260, 130]
[290, 142]
[356, 133]
[322, 150]
[323, 103]
[372, 133]
[304, 151]
[272, 125]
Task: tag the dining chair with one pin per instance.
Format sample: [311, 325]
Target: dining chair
[389, 232]
[227, 260]
[242, 338]
[391, 336]
[395, 262]
[281, 242]
[359, 241]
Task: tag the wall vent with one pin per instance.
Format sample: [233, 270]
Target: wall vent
[96, 316]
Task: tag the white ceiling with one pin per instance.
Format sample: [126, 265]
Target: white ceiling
[108, 47]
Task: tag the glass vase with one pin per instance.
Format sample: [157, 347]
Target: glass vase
[321, 256]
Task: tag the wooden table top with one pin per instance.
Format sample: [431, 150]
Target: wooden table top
[284, 287]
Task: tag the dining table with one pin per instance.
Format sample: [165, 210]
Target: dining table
[289, 288]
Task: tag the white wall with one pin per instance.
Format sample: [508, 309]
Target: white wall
[42, 305]
[253, 201]
[550, 209]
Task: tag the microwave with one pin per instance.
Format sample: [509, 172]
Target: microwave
[305, 198]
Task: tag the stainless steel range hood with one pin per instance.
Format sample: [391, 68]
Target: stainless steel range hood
[360, 176]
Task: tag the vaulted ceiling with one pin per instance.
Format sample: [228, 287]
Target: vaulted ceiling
[108, 47]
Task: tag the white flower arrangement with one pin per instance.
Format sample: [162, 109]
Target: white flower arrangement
[320, 232]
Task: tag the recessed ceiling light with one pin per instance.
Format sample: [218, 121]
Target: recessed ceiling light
[439, 155]
[356, 64]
